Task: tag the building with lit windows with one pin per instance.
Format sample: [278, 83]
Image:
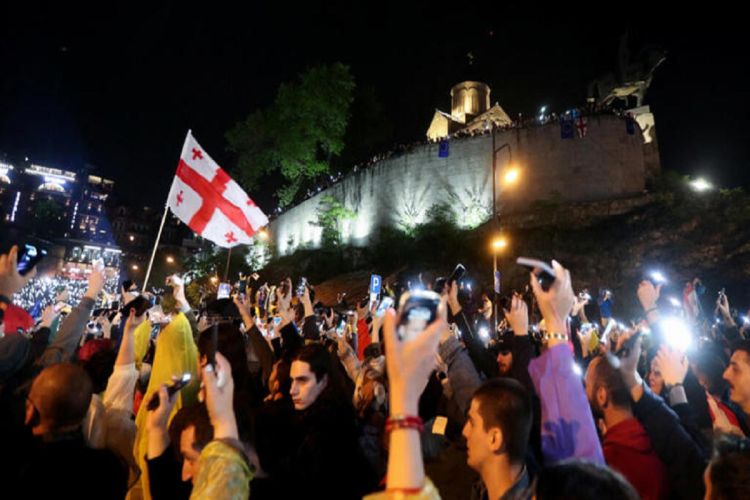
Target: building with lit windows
[54, 203]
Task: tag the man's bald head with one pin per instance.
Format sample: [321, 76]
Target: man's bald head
[61, 394]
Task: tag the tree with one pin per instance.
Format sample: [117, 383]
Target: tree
[297, 135]
[331, 213]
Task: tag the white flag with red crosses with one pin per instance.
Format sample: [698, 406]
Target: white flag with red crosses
[204, 197]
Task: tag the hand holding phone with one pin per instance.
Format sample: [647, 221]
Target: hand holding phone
[385, 304]
[543, 271]
[28, 258]
[213, 347]
[417, 310]
[178, 382]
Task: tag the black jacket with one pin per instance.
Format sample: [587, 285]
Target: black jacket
[684, 459]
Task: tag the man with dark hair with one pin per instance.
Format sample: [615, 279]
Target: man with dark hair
[737, 375]
[627, 447]
[321, 436]
[311, 374]
[497, 432]
[55, 408]
[172, 456]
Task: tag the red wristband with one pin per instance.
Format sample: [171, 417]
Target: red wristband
[404, 422]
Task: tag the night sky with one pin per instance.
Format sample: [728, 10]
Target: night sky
[118, 87]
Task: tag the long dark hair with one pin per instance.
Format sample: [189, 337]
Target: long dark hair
[322, 364]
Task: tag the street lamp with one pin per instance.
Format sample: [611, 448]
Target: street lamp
[497, 245]
[170, 259]
[134, 267]
[510, 177]
[263, 234]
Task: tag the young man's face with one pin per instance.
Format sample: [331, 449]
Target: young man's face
[478, 441]
[189, 454]
[504, 361]
[738, 376]
[305, 386]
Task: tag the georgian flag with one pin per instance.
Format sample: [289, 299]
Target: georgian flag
[204, 197]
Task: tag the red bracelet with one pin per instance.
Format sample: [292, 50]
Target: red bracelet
[404, 422]
[404, 491]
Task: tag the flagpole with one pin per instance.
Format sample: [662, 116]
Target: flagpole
[161, 226]
[226, 271]
[156, 245]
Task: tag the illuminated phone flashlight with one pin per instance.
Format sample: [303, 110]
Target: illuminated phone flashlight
[675, 302]
[677, 333]
[484, 333]
[745, 320]
[658, 277]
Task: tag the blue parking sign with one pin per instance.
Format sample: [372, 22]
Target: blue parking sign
[375, 283]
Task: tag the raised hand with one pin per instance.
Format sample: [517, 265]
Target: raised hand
[409, 363]
[556, 303]
[10, 279]
[518, 315]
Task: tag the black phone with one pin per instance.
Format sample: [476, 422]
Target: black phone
[416, 311]
[172, 389]
[457, 275]
[627, 346]
[28, 257]
[543, 271]
[213, 346]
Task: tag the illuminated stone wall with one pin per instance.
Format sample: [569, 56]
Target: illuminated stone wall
[400, 191]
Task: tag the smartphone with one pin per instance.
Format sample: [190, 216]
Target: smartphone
[543, 271]
[457, 275]
[385, 304]
[213, 346]
[172, 389]
[301, 285]
[627, 346]
[29, 257]
[416, 310]
[224, 290]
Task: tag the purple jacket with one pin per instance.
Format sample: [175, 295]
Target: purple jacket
[568, 429]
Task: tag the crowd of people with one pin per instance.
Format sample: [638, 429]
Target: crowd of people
[272, 394]
[41, 292]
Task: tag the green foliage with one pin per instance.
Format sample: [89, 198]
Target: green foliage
[299, 134]
[331, 214]
[259, 254]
